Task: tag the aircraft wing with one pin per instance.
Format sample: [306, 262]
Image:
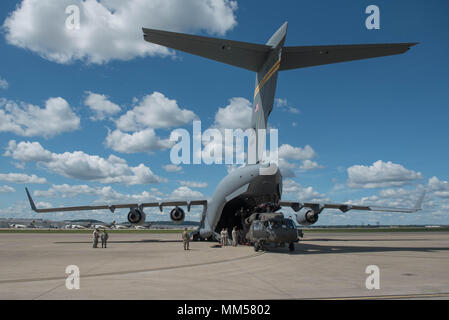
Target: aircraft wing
[308, 56]
[112, 207]
[318, 207]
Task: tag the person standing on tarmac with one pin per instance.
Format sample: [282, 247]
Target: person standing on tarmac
[104, 238]
[234, 237]
[96, 236]
[186, 239]
[222, 237]
[226, 236]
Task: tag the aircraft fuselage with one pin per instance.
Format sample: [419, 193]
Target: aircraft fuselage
[245, 188]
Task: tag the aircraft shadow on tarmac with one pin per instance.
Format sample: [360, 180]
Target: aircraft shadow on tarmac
[360, 240]
[307, 248]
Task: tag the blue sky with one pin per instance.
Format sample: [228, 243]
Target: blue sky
[376, 129]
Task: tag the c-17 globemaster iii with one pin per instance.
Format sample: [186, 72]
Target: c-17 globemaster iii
[242, 190]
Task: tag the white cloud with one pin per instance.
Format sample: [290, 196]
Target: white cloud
[287, 168]
[236, 115]
[29, 120]
[110, 29]
[4, 84]
[184, 192]
[105, 194]
[287, 151]
[100, 105]
[380, 174]
[193, 184]
[309, 165]
[279, 102]
[21, 178]
[172, 168]
[140, 141]
[7, 189]
[155, 111]
[83, 166]
[302, 193]
[284, 106]
[396, 198]
[439, 188]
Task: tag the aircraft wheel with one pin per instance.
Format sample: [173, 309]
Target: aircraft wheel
[256, 246]
[195, 237]
[291, 246]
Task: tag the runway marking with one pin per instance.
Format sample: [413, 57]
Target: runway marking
[387, 297]
[135, 271]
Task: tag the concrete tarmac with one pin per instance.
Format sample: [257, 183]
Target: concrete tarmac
[155, 266]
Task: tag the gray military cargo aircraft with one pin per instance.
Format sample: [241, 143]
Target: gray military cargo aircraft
[246, 188]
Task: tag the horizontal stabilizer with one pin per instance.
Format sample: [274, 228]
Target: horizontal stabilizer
[240, 54]
[308, 56]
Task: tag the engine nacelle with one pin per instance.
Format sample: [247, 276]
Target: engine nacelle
[136, 216]
[307, 218]
[177, 215]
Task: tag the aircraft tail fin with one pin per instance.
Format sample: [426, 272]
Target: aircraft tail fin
[266, 80]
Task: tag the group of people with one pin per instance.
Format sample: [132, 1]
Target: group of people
[104, 238]
[224, 237]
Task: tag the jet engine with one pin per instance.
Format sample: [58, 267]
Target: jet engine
[136, 216]
[307, 218]
[177, 215]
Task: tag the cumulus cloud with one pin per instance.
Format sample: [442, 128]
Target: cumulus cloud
[303, 193]
[287, 151]
[392, 197]
[110, 29]
[284, 106]
[309, 165]
[287, 168]
[80, 165]
[236, 115]
[7, 189]
[184, 192]
[154, 111]
[172, 168]
[29, 120]
[140, 141]
[438, 187]
[3, 84]
[380, 174]
[21, 178]
[193, 184]
[100, 105]
[104, 194]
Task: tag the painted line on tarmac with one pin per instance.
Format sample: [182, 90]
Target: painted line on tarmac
[387, 297]
[135, 271]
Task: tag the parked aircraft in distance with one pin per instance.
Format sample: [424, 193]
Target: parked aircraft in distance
[18, 226]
